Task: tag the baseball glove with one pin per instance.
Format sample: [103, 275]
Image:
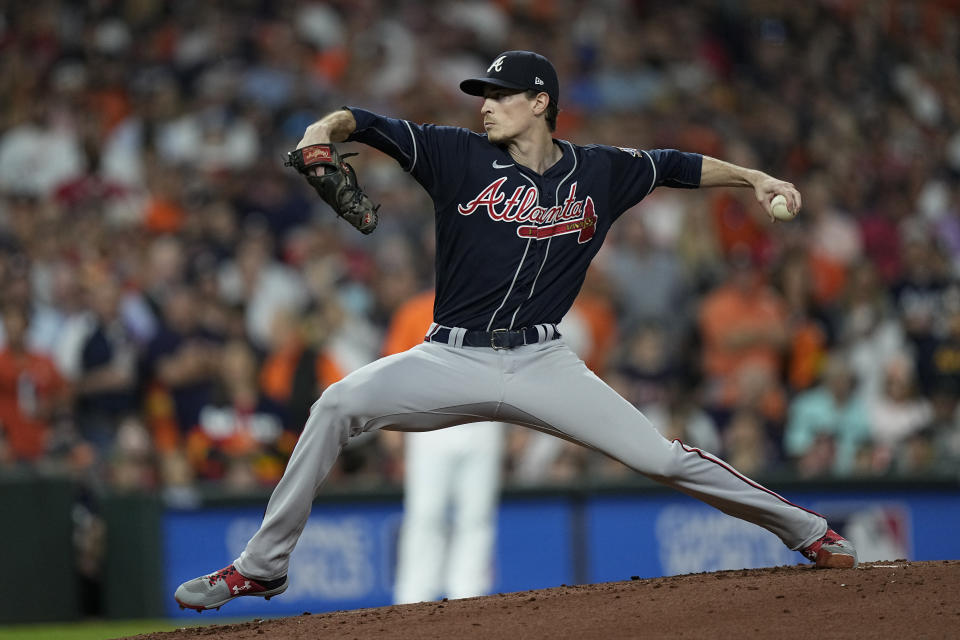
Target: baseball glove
[336, 182]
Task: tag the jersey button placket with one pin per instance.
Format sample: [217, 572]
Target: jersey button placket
[544, 201]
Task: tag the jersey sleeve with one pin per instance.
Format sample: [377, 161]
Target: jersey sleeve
[639, 172]
[434, 155]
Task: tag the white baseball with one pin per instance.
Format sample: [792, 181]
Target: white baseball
[778, 207]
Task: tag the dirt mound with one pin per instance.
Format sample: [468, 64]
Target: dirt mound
[884, 599]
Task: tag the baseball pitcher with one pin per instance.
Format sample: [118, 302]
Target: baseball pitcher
[519, 217]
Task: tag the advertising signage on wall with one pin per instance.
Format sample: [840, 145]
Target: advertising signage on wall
[346, 557]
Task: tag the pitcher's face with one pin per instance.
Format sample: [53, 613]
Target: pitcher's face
[507, 113]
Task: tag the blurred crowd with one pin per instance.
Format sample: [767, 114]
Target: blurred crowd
[174, 300]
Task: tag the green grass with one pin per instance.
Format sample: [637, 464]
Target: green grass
[97, 630]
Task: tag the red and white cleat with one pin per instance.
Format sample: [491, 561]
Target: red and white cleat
[217, 589]
[832, 551]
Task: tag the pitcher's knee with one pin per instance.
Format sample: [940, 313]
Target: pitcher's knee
[342, 400]
[328, 402]
[664, 464]
[330, 411]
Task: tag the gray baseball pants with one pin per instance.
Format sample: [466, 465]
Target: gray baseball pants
[544, 386]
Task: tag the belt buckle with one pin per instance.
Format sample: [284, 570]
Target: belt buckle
[500, 344]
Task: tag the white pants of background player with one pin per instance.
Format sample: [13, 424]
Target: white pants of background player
[543, 386]
[451, 487]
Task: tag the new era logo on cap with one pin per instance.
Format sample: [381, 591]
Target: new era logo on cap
[518, 70]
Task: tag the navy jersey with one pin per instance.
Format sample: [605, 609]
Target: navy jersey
[513, 246]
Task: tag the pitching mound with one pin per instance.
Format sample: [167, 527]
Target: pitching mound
[897, 599]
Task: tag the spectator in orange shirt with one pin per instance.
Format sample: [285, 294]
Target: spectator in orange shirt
[808, 328]
[240, 436]
[743, 324]
[31, 392]
[594, 309]
[298, 367]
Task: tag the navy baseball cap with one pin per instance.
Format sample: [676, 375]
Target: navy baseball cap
[519, 70]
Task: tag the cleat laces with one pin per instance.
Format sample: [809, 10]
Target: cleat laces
[223, 574]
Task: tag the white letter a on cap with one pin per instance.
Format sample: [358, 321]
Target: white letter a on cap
[496, 64]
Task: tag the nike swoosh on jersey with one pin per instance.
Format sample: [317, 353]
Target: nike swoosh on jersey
[497, 165]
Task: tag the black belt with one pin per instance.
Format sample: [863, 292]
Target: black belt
[496, 339]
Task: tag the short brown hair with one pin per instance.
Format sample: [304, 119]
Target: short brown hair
[552, 109]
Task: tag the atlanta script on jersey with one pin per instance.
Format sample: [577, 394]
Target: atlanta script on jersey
[513, 246]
